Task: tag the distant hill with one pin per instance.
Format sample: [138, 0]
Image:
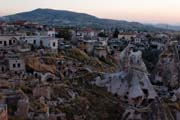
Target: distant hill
[167, 27]
[67, 18]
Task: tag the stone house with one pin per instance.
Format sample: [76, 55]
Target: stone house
[16, 65]
[8, 41]
[12, 63]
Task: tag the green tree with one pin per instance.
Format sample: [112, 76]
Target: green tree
[64, 33]
[102, 34]
[116, 33]
[149, 37]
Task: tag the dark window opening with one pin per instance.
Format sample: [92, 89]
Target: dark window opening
[5, 43]
[146, 92]
[54, 44]
[14, 65]
[10, 42]
[34, 42]
[49, 80]
[2, 69]
[36, 75]
[19, 65]
[41, 43]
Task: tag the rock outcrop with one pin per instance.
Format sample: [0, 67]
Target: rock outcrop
[133, 83]
[167, 72]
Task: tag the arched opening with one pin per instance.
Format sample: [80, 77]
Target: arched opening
[49, 79]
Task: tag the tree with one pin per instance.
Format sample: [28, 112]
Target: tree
[102, 34]
[64, 33]
[116, 33]
[151, 57]
[149, 37]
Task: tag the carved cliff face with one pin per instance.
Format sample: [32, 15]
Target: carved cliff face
[167, 70]
[132, 84]
[124, 57]
[136, 61]
[138, 78]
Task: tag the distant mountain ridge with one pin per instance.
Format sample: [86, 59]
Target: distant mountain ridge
[62, 17]
[168, 27]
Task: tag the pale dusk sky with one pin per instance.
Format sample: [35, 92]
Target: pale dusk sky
[146, 11]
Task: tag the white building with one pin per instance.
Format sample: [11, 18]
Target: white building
[42, 41]
[51, 33]
[137, 40]
[85, 33]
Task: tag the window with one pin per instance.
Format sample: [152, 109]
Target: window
[0, 42]
[34, 41]
[10, 42]
[2, 69]
[54, 44]
[14, 65]
[5, 43]
[19, 65]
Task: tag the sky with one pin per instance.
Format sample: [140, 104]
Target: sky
[145, 11]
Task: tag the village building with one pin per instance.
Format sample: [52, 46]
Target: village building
[42, 41]
[12, 63]
[85, 33]
[86, 45]
[137, 40]
[16, 65]
[8, 41]
[127, 36]
[51, 33]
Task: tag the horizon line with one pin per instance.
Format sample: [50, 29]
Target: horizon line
[146, 23]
